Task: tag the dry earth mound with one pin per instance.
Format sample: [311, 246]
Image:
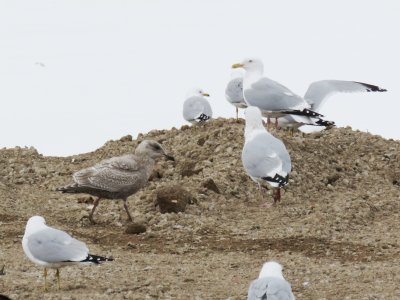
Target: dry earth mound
[336, 230]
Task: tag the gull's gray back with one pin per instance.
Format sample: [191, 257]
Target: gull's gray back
[269, 95]
[270, 288]
[53, 246]
[259, 158]
[234, 91]
[194, 106]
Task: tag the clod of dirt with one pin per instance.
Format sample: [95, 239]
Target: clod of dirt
[85, 199]
[188, 168]
[201, 141]
[210, 184]
[158, 173]
[173, 199]
[126, 138]
[135, 228]
[333, 178]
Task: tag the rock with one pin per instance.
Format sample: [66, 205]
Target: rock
[211, 185]
[201, 141]
[173, 199]
[85, 199]
[188, 168]
[332, 178]
[135, 228]
[157, 173]
[126, 138]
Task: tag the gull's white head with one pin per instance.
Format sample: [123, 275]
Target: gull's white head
[271, 269]
[197, 92]
[34, 223]
[251, 65]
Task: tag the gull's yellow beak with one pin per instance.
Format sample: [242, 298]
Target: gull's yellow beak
[235, 66]
[206, 95]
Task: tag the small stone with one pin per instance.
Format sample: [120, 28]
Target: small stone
[188, 168]
[135, 228]
[210, 184]
[126, 138]
[131, 245]
[201, 141]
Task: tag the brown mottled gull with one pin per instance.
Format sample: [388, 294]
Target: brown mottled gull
[117, 177]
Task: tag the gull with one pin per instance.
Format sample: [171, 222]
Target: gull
[39, 63]
[53, 249]
[318, 92]
[270, 285]
[274, 99]
[234, 92]
[118, 177]
[264, 157]
[196, 108]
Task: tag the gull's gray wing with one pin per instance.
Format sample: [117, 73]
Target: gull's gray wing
[234, 92]
[53, 246]
[196, 109]
[269, 95]
[319, 91]
[293, 121]
[265, 156]
[112, 175]
[270, 288]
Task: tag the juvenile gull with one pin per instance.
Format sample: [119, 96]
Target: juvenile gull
[318, 92]
[118, 177]
[196, 108]
[270, 285]
[52, 248]
[234, 92]
[264, 157]
[274, 99]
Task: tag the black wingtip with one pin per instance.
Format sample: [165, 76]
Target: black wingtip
[325, 123]
[95, 259]
[305, 112]
[71, 189]
[203, 118]
[282, 181]
[371, 88]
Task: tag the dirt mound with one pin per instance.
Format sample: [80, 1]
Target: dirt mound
[336, 230]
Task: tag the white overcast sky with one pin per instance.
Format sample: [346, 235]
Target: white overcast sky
[76, 73]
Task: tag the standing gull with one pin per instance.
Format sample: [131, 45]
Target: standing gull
[54, 249]
[270, 285]
[264, 157]
[196, 108]
[234, 92]
[118, 177]
[274, 99]
[318, 92]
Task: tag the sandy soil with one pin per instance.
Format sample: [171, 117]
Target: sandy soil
[336, 231]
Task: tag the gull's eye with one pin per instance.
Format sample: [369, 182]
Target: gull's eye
[250, 60]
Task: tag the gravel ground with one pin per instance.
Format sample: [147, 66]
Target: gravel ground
[336, 231]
